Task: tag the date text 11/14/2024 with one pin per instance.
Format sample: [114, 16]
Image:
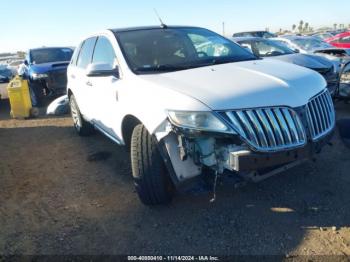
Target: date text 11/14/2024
[173, 258]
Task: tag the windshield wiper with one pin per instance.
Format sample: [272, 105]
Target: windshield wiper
[162, 68]
[221, 60]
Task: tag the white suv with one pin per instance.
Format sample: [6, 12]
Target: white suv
[185, 99]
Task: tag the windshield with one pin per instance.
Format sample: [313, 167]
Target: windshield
[173, 49]
[323, 36]
[310, 43]
[266, 48]
[49, 55]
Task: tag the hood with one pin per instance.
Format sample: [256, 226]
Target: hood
[45, 67]
[340, 55]
[259, 83]
[309, 61]
[325, 49]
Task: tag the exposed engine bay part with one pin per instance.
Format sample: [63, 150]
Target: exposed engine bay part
[184, 168]
[337, 52]
[344, 85]
[245, 160]
[190, 154]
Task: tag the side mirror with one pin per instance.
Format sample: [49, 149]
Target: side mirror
[101, 69]
[296, 50]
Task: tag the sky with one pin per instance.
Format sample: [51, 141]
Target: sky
[36, 23]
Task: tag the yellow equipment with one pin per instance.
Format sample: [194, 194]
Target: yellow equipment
[19, 96]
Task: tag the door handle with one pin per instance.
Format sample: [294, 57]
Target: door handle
[88, 83]
[72, 76]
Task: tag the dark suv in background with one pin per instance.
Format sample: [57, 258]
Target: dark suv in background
[47, 71]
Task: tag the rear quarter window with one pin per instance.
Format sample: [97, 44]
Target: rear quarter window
[74, 59]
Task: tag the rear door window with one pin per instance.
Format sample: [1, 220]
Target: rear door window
[86, 51]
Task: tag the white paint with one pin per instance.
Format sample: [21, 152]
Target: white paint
[228, 86]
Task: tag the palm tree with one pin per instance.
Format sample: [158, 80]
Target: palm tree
[306, 27]
[294, 27]
[301, 23]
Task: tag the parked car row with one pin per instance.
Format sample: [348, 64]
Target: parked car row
[188, 102]
[332, 53]
[5, 74]
[269, 49]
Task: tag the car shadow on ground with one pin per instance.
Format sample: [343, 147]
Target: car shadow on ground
[65, 194]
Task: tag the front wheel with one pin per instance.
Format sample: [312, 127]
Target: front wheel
[82, 127]
[151, 178]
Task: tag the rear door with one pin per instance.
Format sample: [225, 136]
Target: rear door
[82, 85]
[106, 90]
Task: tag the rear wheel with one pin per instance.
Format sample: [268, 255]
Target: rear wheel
[151, 178]
[82, 127]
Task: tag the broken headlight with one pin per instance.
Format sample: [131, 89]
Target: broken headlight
[202, 121]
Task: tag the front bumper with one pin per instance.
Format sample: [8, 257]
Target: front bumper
[246, 160]
[53, 85]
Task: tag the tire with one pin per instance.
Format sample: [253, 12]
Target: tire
[34, 112]
[152, 181]
[37, 92]
[82, 127]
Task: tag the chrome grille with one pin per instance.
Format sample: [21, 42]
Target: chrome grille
[320, 115]
[268, 129]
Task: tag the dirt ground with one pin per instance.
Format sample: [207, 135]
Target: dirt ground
[56, 197]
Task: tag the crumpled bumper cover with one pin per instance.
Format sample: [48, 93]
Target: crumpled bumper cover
[247, 160]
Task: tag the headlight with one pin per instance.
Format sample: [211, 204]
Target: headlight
[36, 76]
[202, 121]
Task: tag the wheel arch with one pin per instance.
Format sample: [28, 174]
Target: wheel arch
[128, 124]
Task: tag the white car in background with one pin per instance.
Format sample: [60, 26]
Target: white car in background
[14, 65]
[267, 49]
[314, 45]
[183, 109]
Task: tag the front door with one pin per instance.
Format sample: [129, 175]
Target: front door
[105, 89]
[83, 86]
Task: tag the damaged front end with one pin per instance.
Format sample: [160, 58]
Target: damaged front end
[50, 83]
[253, 144]
[344, 85]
